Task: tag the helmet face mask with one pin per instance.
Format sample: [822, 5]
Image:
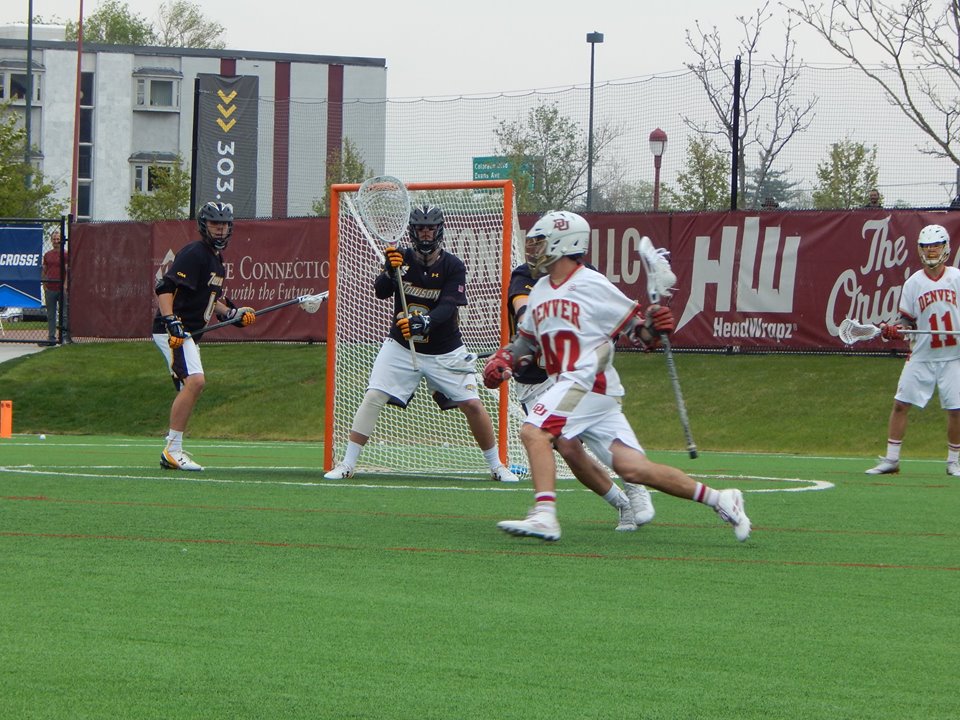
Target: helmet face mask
[933, 245]
[556, 235]
[215, 212]
[426, 217]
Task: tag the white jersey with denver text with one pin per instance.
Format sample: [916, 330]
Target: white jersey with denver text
[575, 324]
[932, 304]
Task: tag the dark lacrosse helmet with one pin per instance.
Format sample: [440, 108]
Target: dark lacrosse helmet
[426, 216]
[215, 212]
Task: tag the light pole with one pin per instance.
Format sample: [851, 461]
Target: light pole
[592, 38]
[658, 143]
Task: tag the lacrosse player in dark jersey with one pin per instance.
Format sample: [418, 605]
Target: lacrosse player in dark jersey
[188, 294]
[434, 281]
[634, 506]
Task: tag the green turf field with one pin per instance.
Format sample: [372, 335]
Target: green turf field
[258, 590]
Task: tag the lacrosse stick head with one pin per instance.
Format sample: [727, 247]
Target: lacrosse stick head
[384, 206]
[851, 332]
[661, 280]
[312, 303]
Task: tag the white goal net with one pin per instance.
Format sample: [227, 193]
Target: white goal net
[481, 228]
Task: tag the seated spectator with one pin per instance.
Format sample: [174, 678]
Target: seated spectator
[873, 199]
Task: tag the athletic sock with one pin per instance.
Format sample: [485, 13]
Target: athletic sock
[175, 440]
[893, 449]
[616, 497]
[546, 501]
[352, 454]
[492, 456]
[706, 495]
[953, 453]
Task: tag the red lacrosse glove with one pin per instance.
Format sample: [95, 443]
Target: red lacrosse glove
[660, 319]
[891, 331]
[498, 368]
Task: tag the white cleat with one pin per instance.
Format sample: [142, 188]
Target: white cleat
[730, 509]
[628, 521]
[641, 503]
[538, 523]
[953, 468]
[886, 467]
[503, 474]
[340, 472]
[177, 460]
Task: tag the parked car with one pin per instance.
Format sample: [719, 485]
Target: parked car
[15, 314]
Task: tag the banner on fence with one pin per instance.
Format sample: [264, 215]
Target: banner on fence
[21, 262]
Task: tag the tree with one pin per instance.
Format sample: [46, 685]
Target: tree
[183, 24]
[846, 177]
[24, 192]
[548, 158]
[704, 184]
[114, 23]
[768, 116]
[906, 33]
[180, 24]
[774, 185]
[168, 197]
[345, 167]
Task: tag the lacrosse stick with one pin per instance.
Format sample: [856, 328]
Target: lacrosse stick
[308, 303]
[660, 283]
[384, 205]
[851, 332]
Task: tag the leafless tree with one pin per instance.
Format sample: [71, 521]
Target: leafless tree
[769, 117]
[919, 41]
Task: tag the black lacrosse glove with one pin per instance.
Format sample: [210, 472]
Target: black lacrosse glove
[416, 324]
[175, 331]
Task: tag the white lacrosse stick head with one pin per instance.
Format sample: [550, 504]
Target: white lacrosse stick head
[851, 332]
[312, 303]
[661, 280]
[384, 205]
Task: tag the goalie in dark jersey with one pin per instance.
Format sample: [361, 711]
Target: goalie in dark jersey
[188, 294]
[434, 281]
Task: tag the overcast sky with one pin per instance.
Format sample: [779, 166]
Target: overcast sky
[443, 48]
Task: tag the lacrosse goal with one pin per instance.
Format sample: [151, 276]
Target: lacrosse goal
[481, 228]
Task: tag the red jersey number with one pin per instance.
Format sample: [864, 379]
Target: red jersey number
[560, 351]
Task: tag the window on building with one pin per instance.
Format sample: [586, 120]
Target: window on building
[148, 168]
[157, 93]
[13, 86]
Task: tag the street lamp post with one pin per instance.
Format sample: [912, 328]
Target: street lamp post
[658, 143]
[593, 38]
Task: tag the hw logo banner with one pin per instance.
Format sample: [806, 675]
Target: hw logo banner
[750, 285]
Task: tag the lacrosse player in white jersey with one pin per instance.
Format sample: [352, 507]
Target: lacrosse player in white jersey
[634, 505]
[928, 302]
[573, 318]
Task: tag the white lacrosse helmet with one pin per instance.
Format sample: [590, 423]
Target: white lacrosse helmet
[934, 235]
[560, 234]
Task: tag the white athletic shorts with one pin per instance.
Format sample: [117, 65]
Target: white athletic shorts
[570, 410]
[453, 374]
[527, 394]
[918, 380]
[183, 362]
